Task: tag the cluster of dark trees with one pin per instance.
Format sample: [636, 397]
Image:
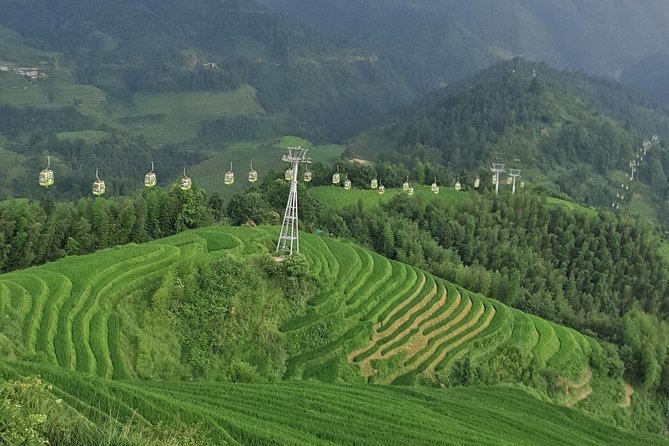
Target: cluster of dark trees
[573, 128]
[168, 78]
[32, 233]
[22, 122]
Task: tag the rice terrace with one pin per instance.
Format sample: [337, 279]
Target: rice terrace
[359, 222]
[74, 316]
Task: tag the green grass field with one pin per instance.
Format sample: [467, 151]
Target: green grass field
[184, 111]
[90, 136]
[389, 324]
[337, 197]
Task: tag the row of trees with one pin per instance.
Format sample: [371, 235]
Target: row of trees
[32, 233]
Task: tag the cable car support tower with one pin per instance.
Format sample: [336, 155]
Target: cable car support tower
[497, 169]
[514, 174]
[289, 241]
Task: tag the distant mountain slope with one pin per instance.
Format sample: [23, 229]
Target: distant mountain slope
[570, 132]
[129, 46]
[452, 38]
[650, 75]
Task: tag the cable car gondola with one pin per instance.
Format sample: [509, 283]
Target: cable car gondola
[435, 187]
[410, 191]
[288, 176]
[374, 183]
[186, 183]
[405, 185]
[382, 189]
[46, 178]
[347, 183]
[477, 183]
[307, 175]
[336, 177]
[229, 177]
[150, 179]
[98, 185]
[253, 175]
[458, 185]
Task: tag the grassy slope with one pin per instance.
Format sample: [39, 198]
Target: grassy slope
[337, 197]
[73, 316]
[310, 413]
[185, 111]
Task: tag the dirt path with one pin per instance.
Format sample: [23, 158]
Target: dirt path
[627, 400]
[580, 390]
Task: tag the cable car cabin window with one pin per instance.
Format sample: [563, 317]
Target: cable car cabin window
[46, 178]
[98, 187]
[229, 178]
[150, 180]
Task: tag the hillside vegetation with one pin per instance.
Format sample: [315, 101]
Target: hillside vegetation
[196, 306]
[130, 48]
[304, 413]
[569, 133]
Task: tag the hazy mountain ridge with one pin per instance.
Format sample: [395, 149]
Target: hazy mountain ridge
[650, 75]
[593, 35]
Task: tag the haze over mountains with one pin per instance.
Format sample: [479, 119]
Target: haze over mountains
[453, 38]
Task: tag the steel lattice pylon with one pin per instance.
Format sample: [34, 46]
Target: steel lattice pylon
[289, 240]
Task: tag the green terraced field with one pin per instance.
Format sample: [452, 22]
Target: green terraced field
[387, 322]
[393, 321]
[311, 413]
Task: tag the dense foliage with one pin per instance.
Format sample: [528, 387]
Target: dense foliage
[571, 133]
[567, 266]
[221, 313]
[36, 232]
[132, 46]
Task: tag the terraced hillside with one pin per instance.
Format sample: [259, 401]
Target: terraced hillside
[310, 413]
[379, 319]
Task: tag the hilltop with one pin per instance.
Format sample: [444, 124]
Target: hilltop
[569, 133]
[336, 317]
